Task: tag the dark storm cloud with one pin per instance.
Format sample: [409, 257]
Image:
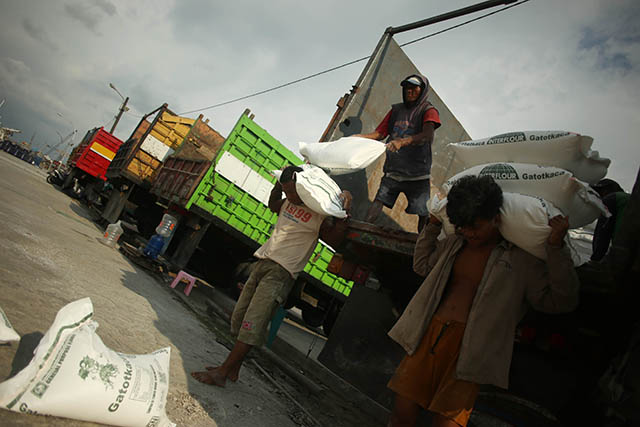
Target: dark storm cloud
[81, 14]
[106, 6]
[38, 34]
[90, 14]
[614, 38]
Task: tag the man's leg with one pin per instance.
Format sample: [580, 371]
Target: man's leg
[404, 414]
[269, 283]
[229, 368]
[244, 300]
[417, 193]
[387, 194]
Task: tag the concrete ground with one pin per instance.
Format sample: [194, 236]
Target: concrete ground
[50, 255]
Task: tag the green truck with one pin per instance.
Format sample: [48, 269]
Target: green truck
[224, 217]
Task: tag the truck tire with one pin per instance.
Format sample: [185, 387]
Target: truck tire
[293, 299]
[312, 316]
[331, 317]
[68, 180]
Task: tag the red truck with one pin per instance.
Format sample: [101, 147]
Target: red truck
[94, 154]
[88, 164]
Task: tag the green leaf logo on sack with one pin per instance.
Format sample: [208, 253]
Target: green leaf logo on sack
[500, 171]
[507, 138]
[39, 389]
[91, 367]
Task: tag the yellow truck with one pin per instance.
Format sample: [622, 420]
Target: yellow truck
[159, 135]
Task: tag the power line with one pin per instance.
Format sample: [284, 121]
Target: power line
[279, 87]
[465, 23]
[351, 62]
[109, 123]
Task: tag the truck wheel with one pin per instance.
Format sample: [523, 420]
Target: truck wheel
[293, 299]
[312, 316]
[68, 180]
[331, 317]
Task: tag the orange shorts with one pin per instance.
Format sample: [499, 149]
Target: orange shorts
[427, 376]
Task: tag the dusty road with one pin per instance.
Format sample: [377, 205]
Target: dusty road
[51, 255]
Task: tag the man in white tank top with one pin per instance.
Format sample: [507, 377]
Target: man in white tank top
[281, 258]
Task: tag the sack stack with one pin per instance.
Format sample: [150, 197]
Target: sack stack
[542, 174]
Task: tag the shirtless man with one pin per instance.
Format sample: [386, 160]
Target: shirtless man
[458, 328]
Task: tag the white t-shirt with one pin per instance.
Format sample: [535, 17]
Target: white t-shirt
[293, 239]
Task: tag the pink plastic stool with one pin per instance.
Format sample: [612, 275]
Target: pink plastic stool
[183, 275]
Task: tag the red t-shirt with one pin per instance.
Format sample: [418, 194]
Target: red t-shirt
[431, 115]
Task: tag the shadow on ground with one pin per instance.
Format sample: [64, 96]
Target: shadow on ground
[183, 338]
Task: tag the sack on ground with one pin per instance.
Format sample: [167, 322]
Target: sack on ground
[524, 220]
[74, 375]
[565, 150]
[345, 155]
[319, 192]
[7, 333]
[572, 196]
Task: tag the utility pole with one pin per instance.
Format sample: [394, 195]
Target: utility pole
[123, 108]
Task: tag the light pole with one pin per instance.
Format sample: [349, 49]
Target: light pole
[73, 134]
[123, 107]
[67, 119]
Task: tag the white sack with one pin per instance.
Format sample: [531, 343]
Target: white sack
[572, 196]
[74, 375]
[345, 155]
[581, 241]
[524, 220]
[565, 150]
[7, 333]
[319, 193]
[437, 205]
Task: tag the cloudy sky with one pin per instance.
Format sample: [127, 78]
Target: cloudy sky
[544, 65]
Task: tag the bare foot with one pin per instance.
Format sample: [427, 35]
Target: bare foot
[211, 377]
[232, 376]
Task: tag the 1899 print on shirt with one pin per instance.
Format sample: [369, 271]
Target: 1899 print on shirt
[295, 236]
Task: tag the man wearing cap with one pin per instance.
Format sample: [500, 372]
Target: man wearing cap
[409, 128]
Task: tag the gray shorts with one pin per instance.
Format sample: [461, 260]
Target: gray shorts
[267, 287]
[417, 193]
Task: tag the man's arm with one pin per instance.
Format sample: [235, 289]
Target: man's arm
[332, 230]
[603, 233]
[553, 289]
[373, 135]
[424, 137]
[380, 132]
[425, 254]
[275, 198]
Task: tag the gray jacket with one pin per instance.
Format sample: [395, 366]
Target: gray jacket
[512, 277]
